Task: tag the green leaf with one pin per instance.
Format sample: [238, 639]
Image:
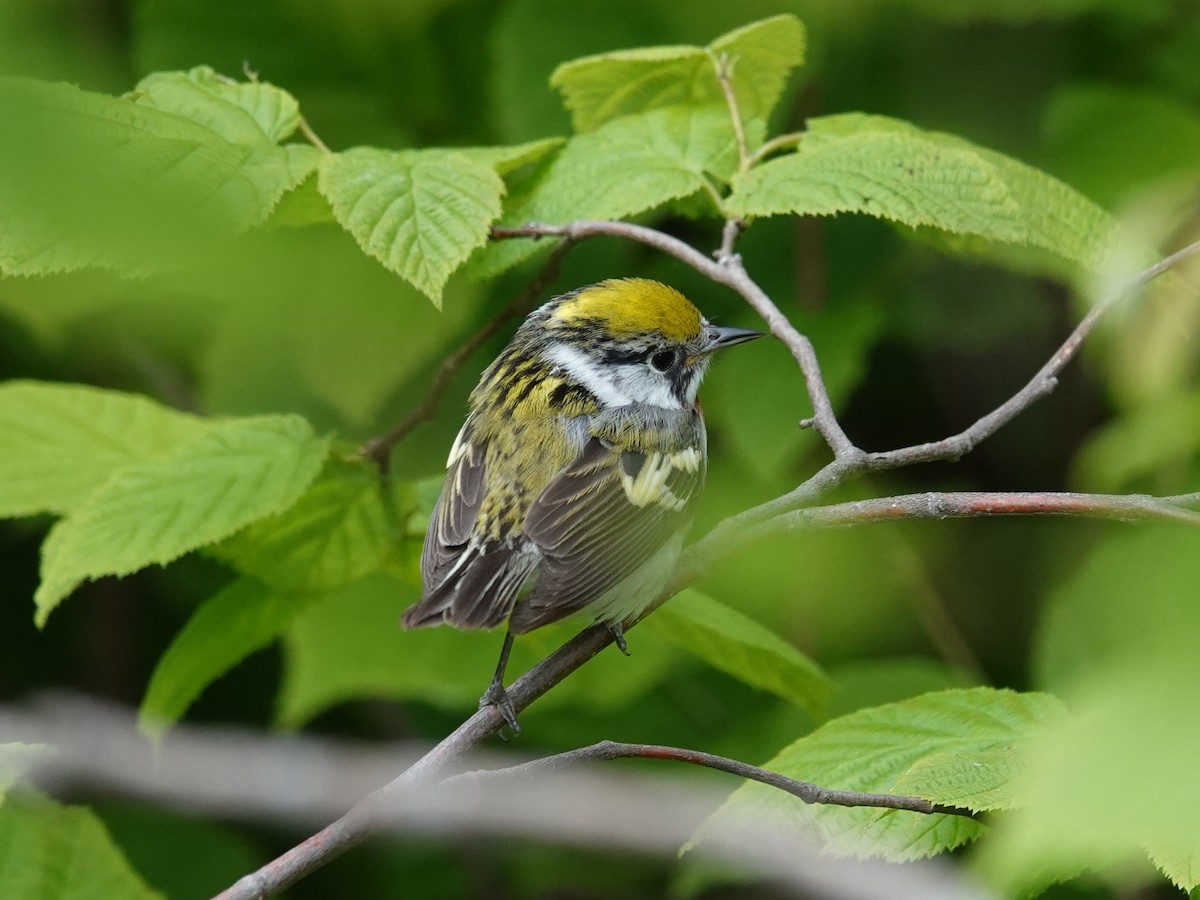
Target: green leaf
[893, 170]
[155, 511]
[625, 167]
[1134, 732]
[597, 89]
[242, 113]
[15, 760]
[241, 618]
[739, 646]
[97, 181]
[419, 212]
[957, 747]
[58, 442]
[54, 852]
[343, 527]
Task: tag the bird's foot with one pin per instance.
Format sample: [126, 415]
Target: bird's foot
[618, 634]
[496, 696]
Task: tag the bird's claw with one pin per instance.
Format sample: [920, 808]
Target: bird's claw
[496, 696]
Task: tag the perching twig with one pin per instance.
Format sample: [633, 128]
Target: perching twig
[809, 793]
[773, 517]
[379, 448]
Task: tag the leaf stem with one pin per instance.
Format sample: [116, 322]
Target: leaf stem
[723, 64]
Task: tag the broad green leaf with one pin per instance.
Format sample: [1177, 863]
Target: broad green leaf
[893, 170]
[597, 89]
[97, 181]
[419, 212]
[626, 166]
[1134, 729]
[241, 112]
[58, 442]
[155, 511]
[343, 527]
[1180, 862]
[15, 760]
[241, 618]
[54, 852]
[739, 646]
[957, 747]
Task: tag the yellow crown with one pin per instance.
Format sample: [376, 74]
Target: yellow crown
[625, 307]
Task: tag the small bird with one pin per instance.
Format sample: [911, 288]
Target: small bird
[571, 483]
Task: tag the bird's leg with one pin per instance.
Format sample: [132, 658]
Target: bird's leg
[618, 633]
[495, 695]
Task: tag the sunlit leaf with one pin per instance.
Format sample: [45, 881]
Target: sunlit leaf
[99, 181]
[1134, 729]
[54, 852]
[893, 170]
[241, 112]
[625, 167]
[58, 441]
[607, 86]
[419, 212]
[739, 646]
[957, 747]
[155, 511]
[338, 531]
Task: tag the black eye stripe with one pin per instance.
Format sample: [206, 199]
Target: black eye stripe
[618, 357]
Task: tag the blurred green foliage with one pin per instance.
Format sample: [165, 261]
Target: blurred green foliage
[272, 309]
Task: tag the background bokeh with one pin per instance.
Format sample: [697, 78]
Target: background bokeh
[915, 343]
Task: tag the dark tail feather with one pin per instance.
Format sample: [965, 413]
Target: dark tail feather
[480, 595]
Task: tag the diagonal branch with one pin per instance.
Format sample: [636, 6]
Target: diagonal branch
[778, 515]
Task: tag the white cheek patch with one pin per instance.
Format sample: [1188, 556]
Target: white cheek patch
[577, 364]
[645, 386]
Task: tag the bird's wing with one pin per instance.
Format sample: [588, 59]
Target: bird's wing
[603, 517]
[469, 582]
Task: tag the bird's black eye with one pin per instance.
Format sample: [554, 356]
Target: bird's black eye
[662, 360]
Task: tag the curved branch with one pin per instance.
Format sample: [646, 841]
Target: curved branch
[1042, 383]
[806, 791]
[359, 823]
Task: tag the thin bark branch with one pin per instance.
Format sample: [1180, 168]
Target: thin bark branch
[723, 542]
[806, 791]
[379, 448]
[779, 515]
[1042, 383]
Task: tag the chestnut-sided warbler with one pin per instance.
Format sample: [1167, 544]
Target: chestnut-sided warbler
[571, 483]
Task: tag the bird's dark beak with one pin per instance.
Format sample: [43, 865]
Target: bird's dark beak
[727, 337]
